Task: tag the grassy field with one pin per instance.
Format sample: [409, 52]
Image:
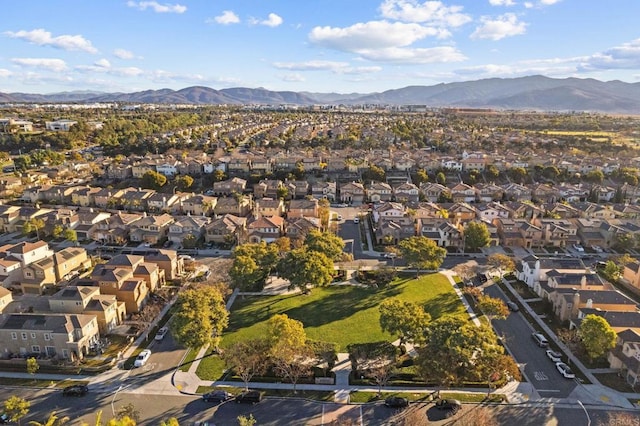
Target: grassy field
[340, 314]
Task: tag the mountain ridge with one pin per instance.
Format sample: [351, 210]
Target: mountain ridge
[535, 92]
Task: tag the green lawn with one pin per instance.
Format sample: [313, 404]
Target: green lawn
[341, 314]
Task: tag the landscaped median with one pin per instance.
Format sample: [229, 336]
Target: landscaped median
[366, 396]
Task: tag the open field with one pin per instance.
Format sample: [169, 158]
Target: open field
[340, 314]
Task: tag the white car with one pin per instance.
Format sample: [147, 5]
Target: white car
[161, 333]
[554, 356]
[565, 370]
[142, 358]
[578, 248]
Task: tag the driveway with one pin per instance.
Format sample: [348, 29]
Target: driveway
[538, 369]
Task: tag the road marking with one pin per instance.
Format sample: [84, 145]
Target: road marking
[548, 390]
[540, 376]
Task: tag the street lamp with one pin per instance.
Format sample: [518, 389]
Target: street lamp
[585, 412]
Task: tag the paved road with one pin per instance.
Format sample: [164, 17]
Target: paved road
[165, 355]
[539, 369]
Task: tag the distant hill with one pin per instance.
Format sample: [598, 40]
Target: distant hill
[533, 92]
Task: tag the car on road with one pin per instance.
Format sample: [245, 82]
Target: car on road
[75, 390]
[451, 405]
[161, 333]
[513, 306]
[339, 217]
[578, 248]
[250, 397]
[565, 370]
[540, 340]
[554, 356]
[4, 418]
[396, 402]
[343, 205]
[356, 220]
[217, 396]
[142, 358]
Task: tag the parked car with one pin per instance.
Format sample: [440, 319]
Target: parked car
[251, 397]
[451, 405]
[565, 370]
[4, 418]
[217, 396]
[396, 402]
[578, 248]
[161, 333]
[142, 358]
[513, 306]
[554, 356]
[75, 390]
[540, 340]
[356, 220]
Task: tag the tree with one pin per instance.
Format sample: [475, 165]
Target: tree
[611, 271]
[422, 176]
[597, 336]
[153, 180]
[189, 241]
[624, 242]
[128, 411]
[325, 242]
[374, 173]
[33, 225]
[595, 176]
[501, 262]
[517, 174]
[422, 253]
[407, 320]
[464, 271]
[493, 307]
[53, 420]
[492, 171]
[441, 178]
[246, 421]
[247, 358]
[375, 360]
[289, 352]
[70, 235]
[200, 317]
[476, 235]
[252, 264]
[495, 366]
[22, 163]
[16, 408]
[32, 366]
[325, 353]
[324, 212]
[172, 421]
[282, 193]
[304, 267]
[183, 182]
[57, 231]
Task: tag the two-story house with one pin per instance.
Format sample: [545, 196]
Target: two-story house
[226, 229]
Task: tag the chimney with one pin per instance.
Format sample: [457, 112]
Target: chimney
[589, 303]
[576, 304]
[583, 282]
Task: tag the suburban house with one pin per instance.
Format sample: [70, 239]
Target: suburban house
[324, 190]
[388, 210]
[379, 192]
[225, 229]
[6, 297]
[229, 187]
[353, 193]
[168, 261]
[151, 228]
[119, 281]
[185, 226]
[238, 205]
[63, 336]
[303, 208]
[269, 207]
[567, 302]
[267, 229]
[625, 356]
[298, 227]
[198, 205]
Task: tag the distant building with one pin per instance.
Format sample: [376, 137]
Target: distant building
[60, 125]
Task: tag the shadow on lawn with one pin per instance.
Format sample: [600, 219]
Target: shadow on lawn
[444, 303]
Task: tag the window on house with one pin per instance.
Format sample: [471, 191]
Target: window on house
[14, 336]
[35, 348]
[24, 336]
[47, 336]
[33, 335]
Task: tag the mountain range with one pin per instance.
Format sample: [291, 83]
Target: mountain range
[523, 93]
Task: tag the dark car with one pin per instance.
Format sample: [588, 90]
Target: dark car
[396, 402]
[217, 396]
[4, 418]
[513, 306]
[451, 405]
[249, 397]
[75, 390]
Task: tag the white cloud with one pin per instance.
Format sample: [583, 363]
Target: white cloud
[292, 78]
[431, 55]
[157, 7]
[506, 25]
[126, 71]
[272, 20]
[48, 64]
[5, 73]
[228, 17]
[42, 37]
[123, 54]
[549, 2]
[333, 66]
[502, 2]
[370, 35]
[431, 12]
[104, 63]
[625, 56]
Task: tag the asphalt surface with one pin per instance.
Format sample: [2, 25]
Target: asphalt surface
[538, 368]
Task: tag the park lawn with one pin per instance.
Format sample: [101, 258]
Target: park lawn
[341, 314]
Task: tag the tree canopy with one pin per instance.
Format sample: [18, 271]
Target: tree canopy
[597, 336]
[476, 235]
[200, 317]
[153, 180]
[303, 267]
[406, 320]
[327, 243]
[422, 253]
[252, 264]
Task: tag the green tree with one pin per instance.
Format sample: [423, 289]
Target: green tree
[219, 175]
[493, 307]
[492, 172]
[57, 231]
[53, 420]
[246, 421]
[501, 262]
[476, 235]
[22, 163]
[291, 356]
[304, 267]
[183, 182]
[495, 366]
[422, 176]
[441, 178]
[406, 320]
[252, 264]
[597, 336]
[325, 353]
[153, 180]
[70, 235]
[517, 174]
[33, 225]
[422, 253]
[376, 360]
[189, 241]
[172, 421]
[247, 358]
[624, 242]
[282, 193]
[32, 366]
[595, 176]
[374, 173]
[16, 408]
[325, 242]
[324, 213]
[200, 317]
[611, 271]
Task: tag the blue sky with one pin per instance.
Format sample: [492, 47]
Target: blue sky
[310, 45]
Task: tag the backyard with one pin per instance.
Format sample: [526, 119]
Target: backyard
[340, 314]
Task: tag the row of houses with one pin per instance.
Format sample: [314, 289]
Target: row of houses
[77, 316]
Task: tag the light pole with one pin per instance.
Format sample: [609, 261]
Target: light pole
[585, 412]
